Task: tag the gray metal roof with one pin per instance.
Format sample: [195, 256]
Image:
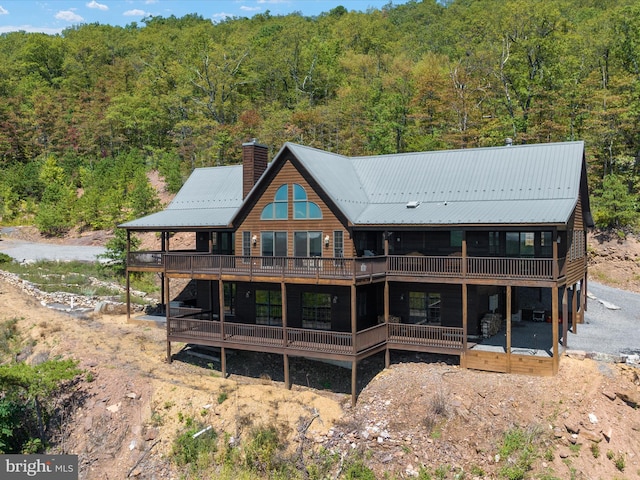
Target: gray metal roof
[337, 176]
[511, 184]
[209, 198]
[524, 184]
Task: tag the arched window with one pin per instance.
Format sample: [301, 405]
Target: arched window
[277, 210]
[302, 207]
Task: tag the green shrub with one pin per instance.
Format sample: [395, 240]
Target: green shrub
[260, 452]
[29, 400]
[191, 449]
[4, 258]
[519, 451]
[8, 334]
[358, 471]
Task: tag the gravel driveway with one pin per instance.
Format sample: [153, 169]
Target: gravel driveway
[611, 323]
[29, 251]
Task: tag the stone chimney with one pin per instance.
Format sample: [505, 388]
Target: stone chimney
[254, 163]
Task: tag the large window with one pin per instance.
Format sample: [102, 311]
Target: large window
[278, 209]
[520, 244]
[424, 308]
[307, 244]
[273, 244]
[302, 207]
[269, 307]
[316, 311]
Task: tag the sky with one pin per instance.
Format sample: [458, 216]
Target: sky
[53, 16]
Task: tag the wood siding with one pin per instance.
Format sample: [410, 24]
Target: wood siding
[503, 363]
[329, 223]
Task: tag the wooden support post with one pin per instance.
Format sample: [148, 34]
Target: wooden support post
[577, 310]
[354, 320]
[554, 327]
[565, 316]
[287, 380]
[128, 287]
[223, 362]
[167, 316]
[354, 382]
[386, 301]
[387, 354]
[508, 319]
[210, 299]
[283, 294]
[554, 247]
[163, 249]
[465, 315]
[464, 254]
[221, 306]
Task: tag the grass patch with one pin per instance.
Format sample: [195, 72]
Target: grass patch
[80, 278]
[8, 335]
[196, 447]
[619, 462]
[518, 450]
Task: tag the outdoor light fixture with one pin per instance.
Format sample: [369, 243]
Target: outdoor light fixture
[254, 240]
[248, 294]
[326, 241]
[335, 299]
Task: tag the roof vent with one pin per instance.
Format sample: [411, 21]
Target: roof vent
[413, 204]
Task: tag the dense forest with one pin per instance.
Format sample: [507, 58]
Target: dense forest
[85, 114]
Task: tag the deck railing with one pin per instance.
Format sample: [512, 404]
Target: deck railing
[426, 335]
[492, 267]
[195, 330]
[299, 267]
[188, 328]
[320, 340]
[424, 266]
[342, 268]
[145, 259]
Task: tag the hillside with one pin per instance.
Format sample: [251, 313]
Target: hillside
[421, 412]
[85, 114]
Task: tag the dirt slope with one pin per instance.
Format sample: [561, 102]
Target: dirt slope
[420, 412]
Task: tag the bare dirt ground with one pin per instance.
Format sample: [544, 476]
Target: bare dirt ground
[423, 411]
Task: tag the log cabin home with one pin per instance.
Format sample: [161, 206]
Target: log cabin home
[477, 253]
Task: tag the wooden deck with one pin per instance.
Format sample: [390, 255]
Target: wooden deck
[359, 269]
[314, 343]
